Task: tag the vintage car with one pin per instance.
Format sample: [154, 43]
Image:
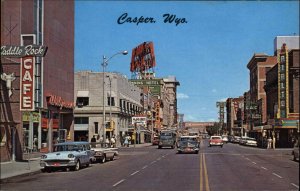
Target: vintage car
[216, 141]
[188, 144]
[104, 152]
[155, 140]
[67, 155]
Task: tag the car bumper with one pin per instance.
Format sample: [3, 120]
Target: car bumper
[57, 164]
[188, 150]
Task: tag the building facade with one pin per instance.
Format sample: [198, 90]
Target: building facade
[282, 90]
[258, 65]
[36, 89]
[122, 101]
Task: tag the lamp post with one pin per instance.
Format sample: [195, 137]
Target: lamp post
[104, 65]
[109, 99]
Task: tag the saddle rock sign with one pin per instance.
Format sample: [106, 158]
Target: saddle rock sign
[27, 84]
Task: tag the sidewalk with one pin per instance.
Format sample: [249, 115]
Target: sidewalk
[17, 168]
[32, 166]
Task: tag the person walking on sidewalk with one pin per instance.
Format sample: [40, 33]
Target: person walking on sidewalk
[269, 143]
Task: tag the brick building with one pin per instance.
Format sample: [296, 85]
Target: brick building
[33, 118]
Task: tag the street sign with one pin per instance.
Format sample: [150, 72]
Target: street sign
[142, 120]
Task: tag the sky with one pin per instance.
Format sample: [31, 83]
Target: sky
[207, 50]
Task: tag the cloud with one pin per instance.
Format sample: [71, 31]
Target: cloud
[182, 96]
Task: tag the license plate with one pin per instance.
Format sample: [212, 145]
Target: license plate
[56, 164]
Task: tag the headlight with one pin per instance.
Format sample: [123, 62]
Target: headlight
[43, 156]
[71, 156]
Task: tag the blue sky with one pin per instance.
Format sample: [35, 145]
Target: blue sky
[208, 53]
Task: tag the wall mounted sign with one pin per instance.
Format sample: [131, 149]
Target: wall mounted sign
[27, 84]
[22, 51]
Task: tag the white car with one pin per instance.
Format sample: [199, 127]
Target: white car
[295, 151]
[67, 155]
[103, 152]
[250, 141]
[225, 138]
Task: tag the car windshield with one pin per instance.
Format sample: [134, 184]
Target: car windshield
[66, 148]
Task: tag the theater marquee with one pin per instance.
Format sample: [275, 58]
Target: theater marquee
[27, 88]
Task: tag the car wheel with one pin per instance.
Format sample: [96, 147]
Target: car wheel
[77, 166]
[294, 157]
[221, 146]
[159, 147]
[196, 152]
[103, 159]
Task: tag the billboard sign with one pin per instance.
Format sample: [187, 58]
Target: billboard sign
[142, 57]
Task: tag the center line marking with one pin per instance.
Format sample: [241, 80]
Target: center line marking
[247, 158]
[276, 175]
[119, 182]
[263, 168]
[135, 173]
[145, 167]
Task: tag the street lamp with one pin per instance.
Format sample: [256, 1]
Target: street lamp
[104, 65]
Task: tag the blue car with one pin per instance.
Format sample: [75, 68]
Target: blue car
[68, 155]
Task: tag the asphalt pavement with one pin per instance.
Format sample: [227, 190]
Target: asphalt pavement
[31, 166]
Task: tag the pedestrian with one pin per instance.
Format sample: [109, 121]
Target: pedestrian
[102, 141]
[107, 142]
[269, 143]
[274, 141]
[112, 141]
[93, 141]
[126, 141]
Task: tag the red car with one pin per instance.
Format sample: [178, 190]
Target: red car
[216, 141]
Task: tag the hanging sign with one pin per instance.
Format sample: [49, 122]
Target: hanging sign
[27, 84]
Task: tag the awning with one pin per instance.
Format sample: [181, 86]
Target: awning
[82, 93]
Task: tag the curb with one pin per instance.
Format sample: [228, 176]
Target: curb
[7, 179]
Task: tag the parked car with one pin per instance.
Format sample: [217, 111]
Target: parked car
[216, 141]
[155, 140]
[67, 155]
[250, 141]
[236, 139]
[243, 140]
[295, 151]
[225, 138]
[104, 152]
[188, 144]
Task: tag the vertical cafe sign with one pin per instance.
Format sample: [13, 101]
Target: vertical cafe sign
[27, 84]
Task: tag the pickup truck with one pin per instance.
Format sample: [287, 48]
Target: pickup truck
[216, 141]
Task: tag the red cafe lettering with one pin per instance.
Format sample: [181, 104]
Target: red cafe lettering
[27, 84]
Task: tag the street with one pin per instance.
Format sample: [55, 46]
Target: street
[232, 167]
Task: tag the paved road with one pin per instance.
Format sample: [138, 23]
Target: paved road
[232, 167]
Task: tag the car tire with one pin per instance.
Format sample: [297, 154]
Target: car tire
[294, 157]
[77, 166]
[159, 147]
